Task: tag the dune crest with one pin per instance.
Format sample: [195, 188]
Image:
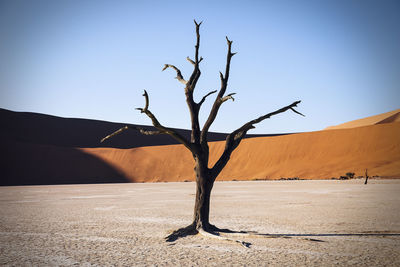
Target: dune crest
[388, 117]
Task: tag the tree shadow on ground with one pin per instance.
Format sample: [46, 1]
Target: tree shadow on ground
[290, 235]
[224, 233]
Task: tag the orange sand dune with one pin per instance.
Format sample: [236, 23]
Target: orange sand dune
[313, 155]
[42, 149]
[388, 117]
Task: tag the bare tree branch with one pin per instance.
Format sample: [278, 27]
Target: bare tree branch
[179, 76]
[204, 97]
[220, 98]
[198, 40]
[161, 128]
[196, 71]
[233, 139]
[123, 129]
[146, 106]
[191, 61]
[227, 97]
[228, 60]
[267, 116]
[295, 111]
[189, 89]
[221, 76]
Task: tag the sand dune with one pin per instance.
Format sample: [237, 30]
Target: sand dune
[35, 128]
[313, 155]
[36, 164]
[42, 149]
[388, 117]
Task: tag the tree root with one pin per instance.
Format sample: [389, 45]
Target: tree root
[216, 235]
[211, 231]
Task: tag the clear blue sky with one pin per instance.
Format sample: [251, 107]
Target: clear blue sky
[92, 59]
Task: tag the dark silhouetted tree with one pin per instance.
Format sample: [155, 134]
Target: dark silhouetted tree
[198, 143]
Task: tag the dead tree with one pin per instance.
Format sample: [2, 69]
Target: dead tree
[198, 143]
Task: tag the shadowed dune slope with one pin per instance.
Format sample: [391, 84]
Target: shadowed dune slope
[313, 155]
[44, 129]
[33, 164]
[388, 117]
[36, 128]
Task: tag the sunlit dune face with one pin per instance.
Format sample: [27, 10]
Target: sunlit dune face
[314, 155]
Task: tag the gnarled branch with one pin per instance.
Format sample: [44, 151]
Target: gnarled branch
[192, 62]
[220, 98]
[227, 97]
[228, 60]
[179, 76]
[131, 127]
[295, 111]
[233, 139]
[196, 71]
[189, 89]
[161, 129]
[204, 97]
[146, 106]
[267, 116]
[198, 40]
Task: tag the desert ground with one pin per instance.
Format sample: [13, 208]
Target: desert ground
[313, 223]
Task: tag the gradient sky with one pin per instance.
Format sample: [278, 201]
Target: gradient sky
[92, 59]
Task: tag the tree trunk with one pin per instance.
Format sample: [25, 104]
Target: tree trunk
[204, 185]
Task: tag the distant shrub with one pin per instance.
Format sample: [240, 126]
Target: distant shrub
[259, 179]
[350, 175]
[290, 178]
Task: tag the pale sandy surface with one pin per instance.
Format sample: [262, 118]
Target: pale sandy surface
[124, 224]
